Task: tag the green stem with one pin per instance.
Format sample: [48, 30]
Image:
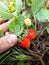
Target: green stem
[35, 22]
[33, 25]
[24, 4]
[5, 58]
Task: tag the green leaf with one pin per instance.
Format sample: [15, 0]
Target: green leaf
[37, 5]
[1, 33]
[18, 6]
[47, 29]
[18, 33]
[5, 1]
[26, 14]
[28, 2]
[27, 64]
[4, 11]
[21, 19]
[42, 15]
[17, 26]
[20, 63]
[14, 27]
[23, 57]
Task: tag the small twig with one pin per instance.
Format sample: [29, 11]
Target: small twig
[43, 30]
[42, 62]
[18, 50]
[35, 47]
[33, 53]
[44, 52]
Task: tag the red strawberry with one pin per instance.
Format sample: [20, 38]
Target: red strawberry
[25, 43]
[31, 34]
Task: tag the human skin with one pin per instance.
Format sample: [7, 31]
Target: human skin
[5, 26]
[7, 41]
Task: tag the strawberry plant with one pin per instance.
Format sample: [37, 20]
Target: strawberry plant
[28, 22]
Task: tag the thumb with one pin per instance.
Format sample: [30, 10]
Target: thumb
[7, 42]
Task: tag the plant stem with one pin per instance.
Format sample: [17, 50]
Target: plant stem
[35, 22]
[5, 58]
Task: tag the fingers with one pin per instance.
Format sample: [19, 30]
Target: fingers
[2, 20]
[6, 33]
[5, 26]
[7, 42]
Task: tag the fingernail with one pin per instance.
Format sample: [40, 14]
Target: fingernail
[12, 39]
[6, 33]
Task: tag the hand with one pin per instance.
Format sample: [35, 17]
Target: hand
[7, 41]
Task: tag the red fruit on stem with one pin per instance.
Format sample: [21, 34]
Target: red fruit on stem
[25, 43]
[31, 34]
